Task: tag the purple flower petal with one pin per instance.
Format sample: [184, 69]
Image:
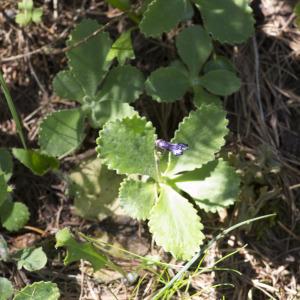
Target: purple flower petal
[176, 149]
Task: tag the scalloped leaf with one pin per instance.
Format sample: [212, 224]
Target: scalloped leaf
[220, 82]
[88, 60]
[36, 161]
[137, 198]
[6, 289]
[62, 132]
[214, 186]
[229, 21]
[95, 189]
[194, 46]
[167, 84]
[175, 224]
[122, 84]
[162, 15]
[66, 86]
[77, 251]
[3, 189]
[122, 48]
[39, 291]
[204, 131]
[104, 111]
[31, 259]
[14, 215]
[6, 164]
[128, 146]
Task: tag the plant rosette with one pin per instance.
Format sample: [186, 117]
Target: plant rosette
[159, 185]
[103, 94]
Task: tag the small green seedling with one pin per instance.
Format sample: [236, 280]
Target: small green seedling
[28, 13]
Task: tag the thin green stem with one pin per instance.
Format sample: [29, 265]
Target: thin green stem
[12, 109]
[179, 275]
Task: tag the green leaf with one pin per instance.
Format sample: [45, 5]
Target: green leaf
[88, 60]
[128, 146]
[25, 5]
[62, 132]
[204, 131]
[6, 164]
[104, 111]
[37, 14]
[122, 48]
[219, 63]
[77, 251]
[4, 251]
[24, 18]
[3, 189]
[162, 15]
[37, 162]
[194, 47]
[67, 86]
[123, 5]
[175, 224]
[167, 84]
[123, 84]
[214, 186]
[95, 189]
[31, 259]
[39, 291]
[6, 289]
[137, 198]
[220, 82]
[14, 215]
[229, 21]
[203, 97]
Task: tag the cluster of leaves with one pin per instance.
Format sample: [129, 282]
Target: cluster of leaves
[167, 183]
[153, 185]
[14, 215]
[122, 85]
[31, 259]
[157, 186]
[62, 132]
[165, 189]
[28, 13]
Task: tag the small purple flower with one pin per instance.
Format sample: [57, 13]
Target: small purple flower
[176, 149]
